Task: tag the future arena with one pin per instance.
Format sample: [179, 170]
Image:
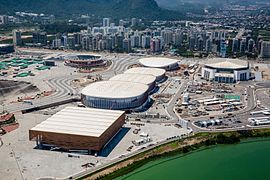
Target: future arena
[75, 128]
[226, 70]
[160, 62]
[115, 95]
[146, 79]
[157, 72]
[84, 61]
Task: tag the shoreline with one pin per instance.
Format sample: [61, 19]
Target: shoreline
[178, 147]
[203, 148]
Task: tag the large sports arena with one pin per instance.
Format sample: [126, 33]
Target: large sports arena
[159, 62]
[75, 128]
[226, 70]
[146, 79]
[115, 95]
[84, 61]
[157, 72]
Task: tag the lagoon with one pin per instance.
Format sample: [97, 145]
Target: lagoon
[247, 160]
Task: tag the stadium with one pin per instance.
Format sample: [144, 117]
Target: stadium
[157, 72]
[159, 62]
[226, 70]
[146, 79]
[84, 61]
[115, 95]
[91, 130]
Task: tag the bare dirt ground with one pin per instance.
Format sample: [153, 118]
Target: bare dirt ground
[15, 88]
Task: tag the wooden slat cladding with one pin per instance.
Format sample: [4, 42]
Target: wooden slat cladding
[71, 141]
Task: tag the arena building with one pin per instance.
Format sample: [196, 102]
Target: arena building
[75, 128]
[6, 48]
[146, 79]
[160, 62]
[226, 70]
[157, 72]
[84, 61]
[115, 95]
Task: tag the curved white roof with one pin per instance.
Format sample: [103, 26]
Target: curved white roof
[115, 89]
[137, 78]
[143, 70]
[227, 63]
[157, 62]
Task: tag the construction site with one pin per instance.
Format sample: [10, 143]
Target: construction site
[210, 99]
[49, 98]
[88, 117]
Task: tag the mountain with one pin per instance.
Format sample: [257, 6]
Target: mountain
[200, 4]
[53, 6]
[195, 6]
[142, 9]
[112, 8]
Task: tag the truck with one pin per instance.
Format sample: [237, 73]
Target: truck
[28, 102]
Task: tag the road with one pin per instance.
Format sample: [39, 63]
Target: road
[119, 65]
[251, 102]
[251, 105]
[117, 160]
[243, 114]
[265, 84]
[62, 87]
[62, 84]
[172, 102]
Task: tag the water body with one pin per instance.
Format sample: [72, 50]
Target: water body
[243, 161]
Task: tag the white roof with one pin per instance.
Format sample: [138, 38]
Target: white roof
[79, 121]
[4, 45]
[157, 62]
[137, 78]
[227, 63]
[157, 72]
[115, 89]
